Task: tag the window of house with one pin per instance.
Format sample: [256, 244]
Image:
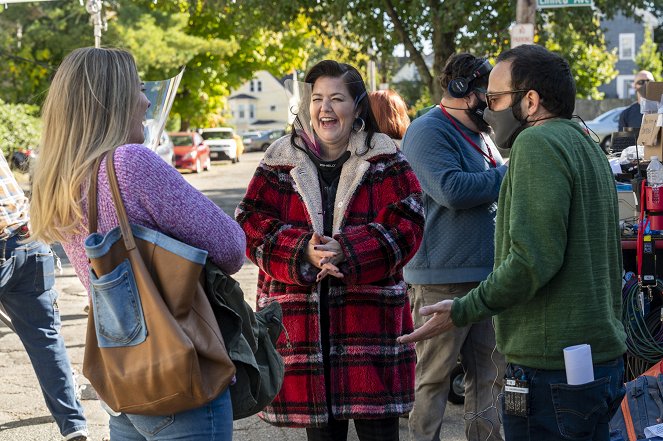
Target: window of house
[272, 108]
[251, 86]
[626, 46]
[241, 111]
[252, 111]
[625, 87]
[259, 86]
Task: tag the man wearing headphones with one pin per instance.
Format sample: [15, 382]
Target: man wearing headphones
[460, 172]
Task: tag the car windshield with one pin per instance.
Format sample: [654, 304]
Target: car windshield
[217, 135]
[181, 140]
[251, 135]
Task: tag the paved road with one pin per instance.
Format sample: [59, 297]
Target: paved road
[23, 414]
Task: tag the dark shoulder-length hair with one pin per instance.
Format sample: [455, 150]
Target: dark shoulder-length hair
[355, 83]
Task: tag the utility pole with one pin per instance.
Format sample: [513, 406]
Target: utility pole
[523, 31]
[526, 12]
[371, 70]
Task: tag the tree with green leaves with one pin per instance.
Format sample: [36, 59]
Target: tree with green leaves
[450, 26]
[221, 46]
[591, 63]
[19, 127]
[648, 57]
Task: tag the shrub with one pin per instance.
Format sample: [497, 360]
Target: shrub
[19, 127]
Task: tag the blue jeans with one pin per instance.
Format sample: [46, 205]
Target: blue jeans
[27, 277]
[559, 411]
[210, 422]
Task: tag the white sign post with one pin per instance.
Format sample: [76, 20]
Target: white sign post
[522, 34]
[563, 3]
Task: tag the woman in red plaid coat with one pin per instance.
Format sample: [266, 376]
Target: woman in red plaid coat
[331, 216]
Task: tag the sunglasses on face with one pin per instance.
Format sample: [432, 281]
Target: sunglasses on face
[641, 82]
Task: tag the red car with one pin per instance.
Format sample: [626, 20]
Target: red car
[191, 151]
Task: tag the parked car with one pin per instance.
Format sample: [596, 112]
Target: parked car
[191, 151]
[165, 149]
[222, 143]
[604, 124]
[264, 140]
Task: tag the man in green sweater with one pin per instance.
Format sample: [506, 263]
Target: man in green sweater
[557, 275]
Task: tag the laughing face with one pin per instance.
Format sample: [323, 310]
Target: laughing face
[332, 115]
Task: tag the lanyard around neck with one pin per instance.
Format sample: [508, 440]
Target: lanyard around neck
[488, 157]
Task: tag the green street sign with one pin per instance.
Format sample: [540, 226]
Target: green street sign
[540, 4]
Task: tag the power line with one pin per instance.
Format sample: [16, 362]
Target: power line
[26, 60]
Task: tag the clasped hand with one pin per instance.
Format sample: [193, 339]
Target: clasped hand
[439, 322]
[325, 253]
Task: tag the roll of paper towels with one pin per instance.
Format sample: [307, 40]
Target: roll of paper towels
[578, 363]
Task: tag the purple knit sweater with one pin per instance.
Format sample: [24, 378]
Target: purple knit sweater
[156, 196]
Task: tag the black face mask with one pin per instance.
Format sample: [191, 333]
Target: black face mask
[475, 113]
[507, 124]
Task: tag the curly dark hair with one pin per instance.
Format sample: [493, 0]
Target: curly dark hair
[459, 66]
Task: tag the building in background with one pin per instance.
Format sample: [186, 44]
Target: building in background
[260, 103]
[626, 35]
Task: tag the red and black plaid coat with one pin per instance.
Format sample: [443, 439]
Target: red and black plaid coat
[378, 220]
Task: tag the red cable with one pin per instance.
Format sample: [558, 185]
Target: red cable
[642, 224]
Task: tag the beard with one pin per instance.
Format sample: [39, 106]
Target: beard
[476, 115]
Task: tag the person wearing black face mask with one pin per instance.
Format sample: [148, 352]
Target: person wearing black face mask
[460, 172]
[557, 278]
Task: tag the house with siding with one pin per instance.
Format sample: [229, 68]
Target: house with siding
[260, 103]
[626, 35]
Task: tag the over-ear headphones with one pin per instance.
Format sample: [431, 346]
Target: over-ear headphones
[459, 87]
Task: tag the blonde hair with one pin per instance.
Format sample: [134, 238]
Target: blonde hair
[390, 112]
[87, 113]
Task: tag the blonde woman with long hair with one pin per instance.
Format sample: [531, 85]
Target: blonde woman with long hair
[95, 106]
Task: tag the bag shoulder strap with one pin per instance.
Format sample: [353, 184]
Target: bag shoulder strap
[92, 197]
[127, 234]
[628, 420]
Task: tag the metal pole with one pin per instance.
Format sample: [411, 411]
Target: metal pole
[94, 8]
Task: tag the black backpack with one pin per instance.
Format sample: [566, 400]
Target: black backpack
[250, 340]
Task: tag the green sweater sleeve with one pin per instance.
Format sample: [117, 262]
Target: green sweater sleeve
[531, 232]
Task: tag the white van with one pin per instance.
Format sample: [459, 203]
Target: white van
[221, 142]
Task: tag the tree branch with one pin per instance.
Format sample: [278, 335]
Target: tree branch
[415, 55]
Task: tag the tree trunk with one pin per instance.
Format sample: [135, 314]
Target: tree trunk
[415, 55]
[444, 44]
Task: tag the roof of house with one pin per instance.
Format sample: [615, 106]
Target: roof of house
[259, 122]
[240, 96]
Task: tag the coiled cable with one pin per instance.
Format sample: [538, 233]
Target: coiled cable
[641, 317]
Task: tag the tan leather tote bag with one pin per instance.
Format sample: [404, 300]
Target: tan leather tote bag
[153, 345]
